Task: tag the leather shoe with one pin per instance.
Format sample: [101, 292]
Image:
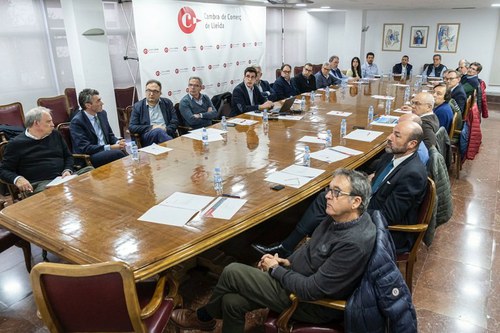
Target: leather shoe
[188, 320]
[272, 249]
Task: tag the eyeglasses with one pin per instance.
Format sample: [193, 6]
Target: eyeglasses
[336, 193]
[418, 103]
[450, 78]
[193, 85]
[286, 71]
[308, 69]
[154, 92]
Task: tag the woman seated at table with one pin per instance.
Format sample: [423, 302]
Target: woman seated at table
[355, 70]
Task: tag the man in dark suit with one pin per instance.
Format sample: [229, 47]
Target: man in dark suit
[305, 81]
[264, 87]
[422, 105]
[403, 67]
[398, 188]
[335, 71]
[91, 133]
[283, 86]
[154, 117]
[452, 80]
[246, 97]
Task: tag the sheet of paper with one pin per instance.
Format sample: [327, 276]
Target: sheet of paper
[323, 89]
[187, 200]
[382, 97]
[328, 155]
[309, 94]
[346, 151]
[312, 139]
[339, 113]
[400, 85]
[59, 180]
[387, 120]
[294, 176]
[168, 215]
[223, 208]
[212, 136]
[155, 149]
[241, 121]
[402, 111]
[363, 135]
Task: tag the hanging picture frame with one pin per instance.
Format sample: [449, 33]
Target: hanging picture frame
[392, 37]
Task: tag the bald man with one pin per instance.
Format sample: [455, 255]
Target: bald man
[422, 151]
[422, 105]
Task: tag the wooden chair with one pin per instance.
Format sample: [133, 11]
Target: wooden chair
[8, 239]
[72, 99]
[278, 73]
[59, 106]
[406, 260]
[13, 115]
[297, 70]
[14, 192]
[101, 298]
[80, 160]
[125, 97]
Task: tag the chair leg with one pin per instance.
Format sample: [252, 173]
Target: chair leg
[28, 259]
[409, 275]
[44, 256]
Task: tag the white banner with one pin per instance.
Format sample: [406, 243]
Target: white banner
[179, 39]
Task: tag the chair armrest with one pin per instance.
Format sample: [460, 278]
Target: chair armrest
[331, 303]
[83, 157]
[156, 300]
[408, 228]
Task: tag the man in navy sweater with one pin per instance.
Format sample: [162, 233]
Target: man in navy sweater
[196, 108]
[283, 86]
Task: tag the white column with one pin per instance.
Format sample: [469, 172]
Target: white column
[89, 55]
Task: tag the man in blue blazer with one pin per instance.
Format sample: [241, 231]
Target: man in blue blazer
[283, 85]
[452, 80]
[264, 87]
[403, 67]
[246, 97]
[398, 188]
[153, 118]
[91, 133]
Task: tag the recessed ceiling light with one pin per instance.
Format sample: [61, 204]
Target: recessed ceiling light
[325, 7]
[300, 5]
[495, 5]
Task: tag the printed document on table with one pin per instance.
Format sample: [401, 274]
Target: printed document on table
[400, 85]
[281, 117]
[339, 113]
[213, 134]
[390, 121]
[177, 209]
[346, 151]
[363, 135]
[223, 208]
[155, 149]
[294, 176]
[382, 97]
[312, 139]
[241, 121]
[59, 180]
[328, 155]
[402, 111]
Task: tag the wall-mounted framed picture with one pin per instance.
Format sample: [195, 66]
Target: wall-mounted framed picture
[447, 37]
[418, 36]
[392, 36]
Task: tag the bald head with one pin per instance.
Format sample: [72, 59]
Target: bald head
[404, 139]
[422, 103]
[410, 117]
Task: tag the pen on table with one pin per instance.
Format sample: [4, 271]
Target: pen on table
[231, 196]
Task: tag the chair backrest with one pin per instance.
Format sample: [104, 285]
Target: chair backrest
[317, 68]
[278, 72]
[125, 97]
[12, 114]
[453, 126]
[59, 106]
[425, 213]
[15, 194]
[297, 70]
[72, 99]
[87, 298]
[63, 129]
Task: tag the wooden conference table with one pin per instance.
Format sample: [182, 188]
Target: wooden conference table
[93, 218]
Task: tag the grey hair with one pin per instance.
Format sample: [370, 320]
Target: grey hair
[196, 78]
[35, 114]
[85, 96]
[326, 64]
[360, 186]
[333, 57]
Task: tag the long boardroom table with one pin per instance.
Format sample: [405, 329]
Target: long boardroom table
[94, 217]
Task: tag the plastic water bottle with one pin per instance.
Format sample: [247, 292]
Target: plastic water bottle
[223, 123]
[312, 97]
[416, 87]
[407, 95]
[328, 139]
[343, 128]
[388, 103]
[218, 181]
[370, 114]
[327, 93]
[307, 156]
[204, 136]
[424, 77]
[265, 116]
[135, 151]
[403, 75]
[303, 103]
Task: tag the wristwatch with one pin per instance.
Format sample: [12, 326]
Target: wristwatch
[270, 270]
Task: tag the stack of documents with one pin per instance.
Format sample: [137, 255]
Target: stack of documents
[334, 154]
[294, 176]
[363, 135]
[155, 149]
[241, 121]
[213, 134]
[390, 121]
[339, 113]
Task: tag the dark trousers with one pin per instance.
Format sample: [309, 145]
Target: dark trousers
[242, 288]
[106, 156]
[156, 135]
[41, 185]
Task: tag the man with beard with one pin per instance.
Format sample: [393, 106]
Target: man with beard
[398, 188]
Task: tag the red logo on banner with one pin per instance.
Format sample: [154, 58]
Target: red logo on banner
[218, 46]
[249, 62]
[218, 84]
[165, 50]
[237, 63]
[224, 65]
[157, 73]
[231, 45]
[201, 47]
[170, 93]
[194, 69]
[145, 51]
[244, 44]
[177, 71]
[209, 66]
[202, 86]
[184, 48]
[255, 44]
[232, 81]
[187, 20]
[187, 89]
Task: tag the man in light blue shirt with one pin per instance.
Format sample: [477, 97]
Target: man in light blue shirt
[335, 71]
[369, 69]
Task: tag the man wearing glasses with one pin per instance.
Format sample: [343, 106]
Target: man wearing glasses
[153, 118]
[246, 97]
[471, 80]
[197, 108]
[398, 188]
[305, 81]
[330, 265]
[335, 71]
[323, 77]
[283, 86]
[264, 87]
[452, 81]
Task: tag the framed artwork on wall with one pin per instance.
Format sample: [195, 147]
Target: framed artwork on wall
[418, 36]
[392, 36]
[447, 37]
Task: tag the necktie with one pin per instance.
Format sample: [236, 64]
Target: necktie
[98, 131]
[251, 96]
[381, 176]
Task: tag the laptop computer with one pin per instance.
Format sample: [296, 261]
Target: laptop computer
[285, 108]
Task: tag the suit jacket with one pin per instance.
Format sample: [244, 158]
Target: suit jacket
[398, 68]
[430, 126]
[240, 102]
[83, 134]
[400, 195]
[140, 122]
[336, 75]
[267, 90]
[304, 84]
[458, 94]
[284, 89]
